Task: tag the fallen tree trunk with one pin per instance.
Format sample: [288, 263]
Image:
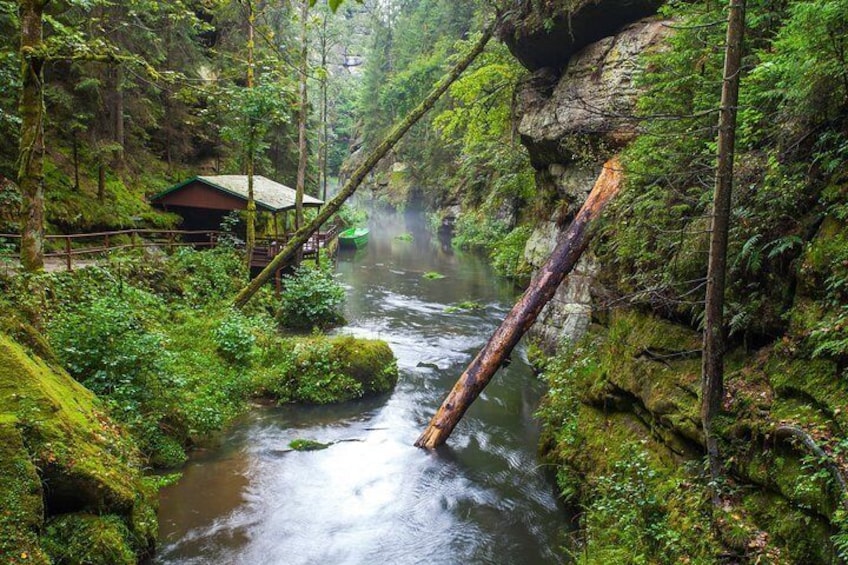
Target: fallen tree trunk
[542, 288]
[302, 235]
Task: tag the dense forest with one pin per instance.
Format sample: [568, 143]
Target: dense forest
[694, 359]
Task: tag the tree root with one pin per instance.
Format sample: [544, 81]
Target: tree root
[790, 432]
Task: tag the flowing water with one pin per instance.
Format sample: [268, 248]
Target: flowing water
[372, 497]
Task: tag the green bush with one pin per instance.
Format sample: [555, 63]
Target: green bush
[478, 231]
[234, 338]
[104, 345]
[507, 254]
[311, 298]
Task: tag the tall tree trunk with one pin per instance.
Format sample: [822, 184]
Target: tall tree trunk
[325, 138]
[251, 157]
[302, 116]
[120, 137]
[302, 235]
[522, 316]
[31, 156]
[712, 366]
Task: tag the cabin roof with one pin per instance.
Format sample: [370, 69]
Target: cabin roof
[268, 194]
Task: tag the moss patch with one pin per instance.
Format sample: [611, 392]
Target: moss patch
[322, 370]
[308, 445]
[625, 401]
[369, 362]
[54, 433]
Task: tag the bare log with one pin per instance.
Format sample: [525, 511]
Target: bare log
[522, 316]
[301, 236]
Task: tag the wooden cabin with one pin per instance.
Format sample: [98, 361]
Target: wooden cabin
[204, 201]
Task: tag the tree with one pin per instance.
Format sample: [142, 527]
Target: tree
[251, 156]
[303, 115]
[712, 367]
[302, 235]
[31, 154]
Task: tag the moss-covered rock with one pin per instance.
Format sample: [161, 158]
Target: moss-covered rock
[634, 382]
[89, 539]
[322, 370]
[62, 457]
[370, 362]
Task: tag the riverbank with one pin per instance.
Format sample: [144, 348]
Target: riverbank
[171, 365]
[371, 496]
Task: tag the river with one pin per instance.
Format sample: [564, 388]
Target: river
[373, 498]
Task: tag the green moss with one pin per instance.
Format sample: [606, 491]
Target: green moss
[433, 276]
[635, 383]
[321, 370]
[800, 537]
[465, 306]
[90, 540]
[809, 379]
[370, 362]
[54, 427]
[407, 237]
[20, 499]
[308, 445]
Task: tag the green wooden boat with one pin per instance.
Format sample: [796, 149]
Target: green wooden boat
[354, 238]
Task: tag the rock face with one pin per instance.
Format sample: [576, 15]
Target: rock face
[571, 119]
[590, 107]
[548, 34]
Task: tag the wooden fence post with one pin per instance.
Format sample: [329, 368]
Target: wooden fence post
[68, 259]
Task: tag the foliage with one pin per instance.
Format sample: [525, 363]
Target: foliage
[311, 298]
[234, 338]
[352, 215]
[654, 236]
[507, 255]
[503, 246]
[478, 231]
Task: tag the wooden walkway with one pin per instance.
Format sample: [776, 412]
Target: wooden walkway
[80, 250]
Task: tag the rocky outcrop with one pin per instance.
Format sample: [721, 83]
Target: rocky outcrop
[63, 463]
[590, 108]
[547, 34]
[571, 120]
[635, 382]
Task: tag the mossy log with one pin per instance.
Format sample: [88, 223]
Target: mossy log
[522, 316]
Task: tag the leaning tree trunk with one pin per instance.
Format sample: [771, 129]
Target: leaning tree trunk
[712, 362]
[302, 235]
[31, 156]
[522, 316]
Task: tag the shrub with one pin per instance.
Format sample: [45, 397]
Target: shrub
[507, 254]
[311, 298]
[234, 338]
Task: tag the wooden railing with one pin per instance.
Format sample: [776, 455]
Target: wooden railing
[74, 246]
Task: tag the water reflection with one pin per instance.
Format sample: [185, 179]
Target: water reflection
[372, 497]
